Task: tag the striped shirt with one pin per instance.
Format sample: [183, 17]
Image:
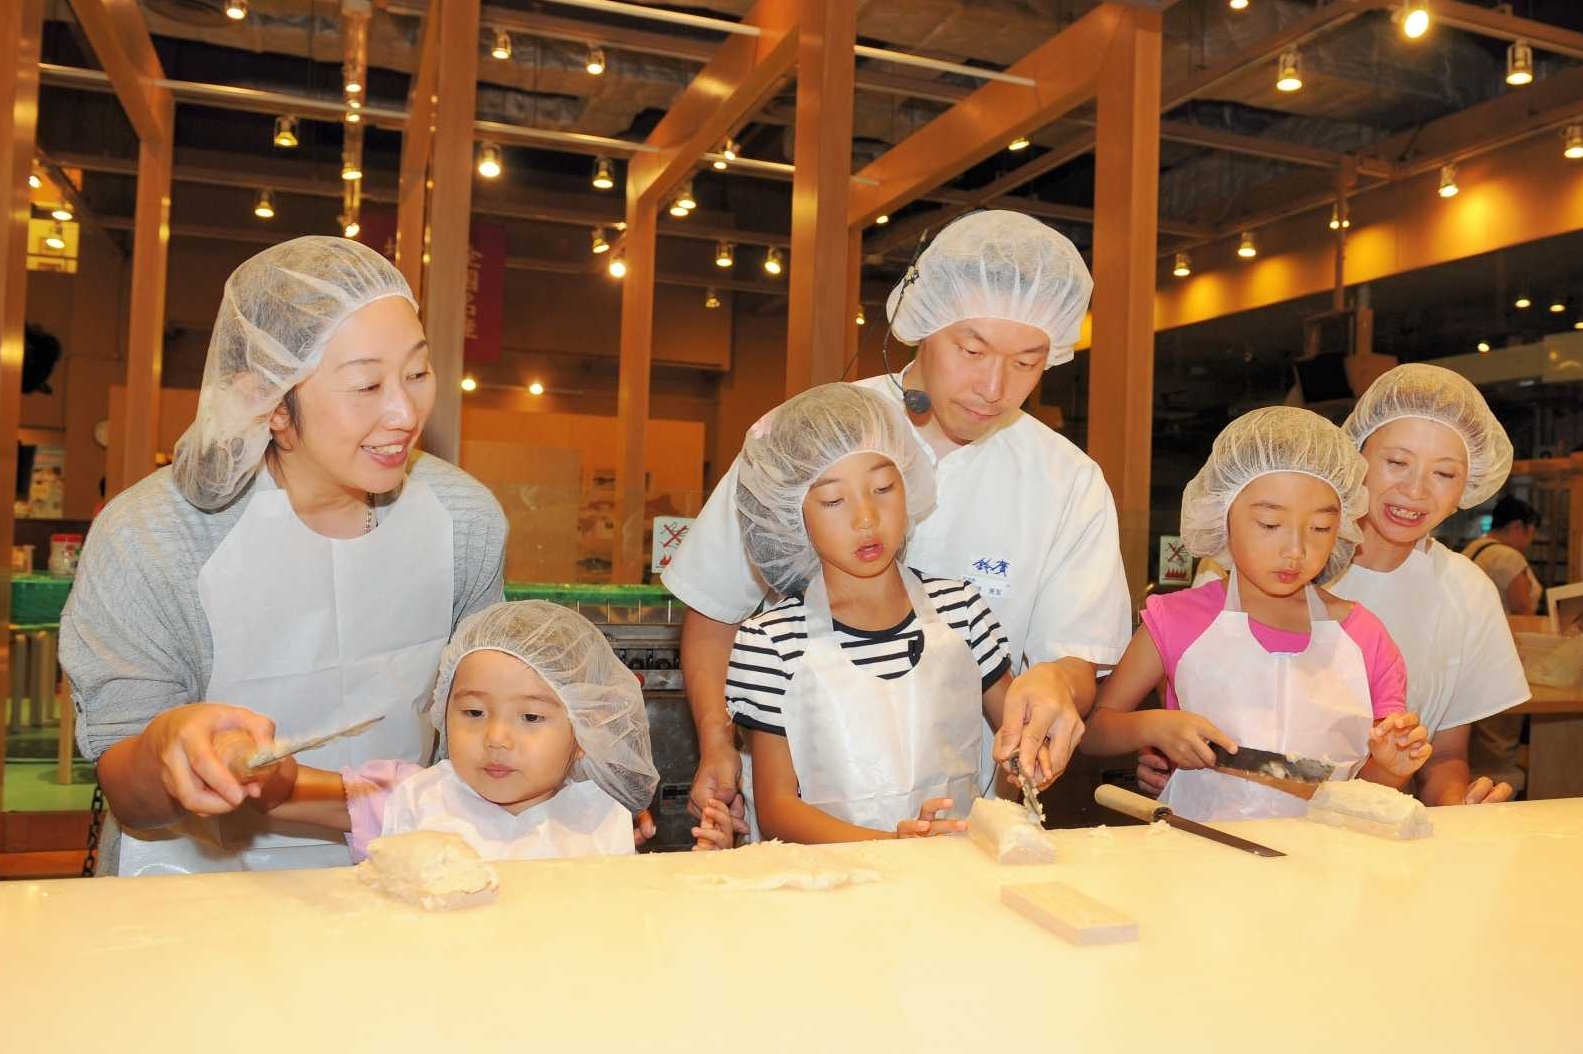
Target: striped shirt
[769, 648]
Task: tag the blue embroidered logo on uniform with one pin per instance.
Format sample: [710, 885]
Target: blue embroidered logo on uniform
[991, 575]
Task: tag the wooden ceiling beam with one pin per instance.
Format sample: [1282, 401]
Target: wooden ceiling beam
[1502, 25]
[744, 72]
[1066, 68]
[122, 44]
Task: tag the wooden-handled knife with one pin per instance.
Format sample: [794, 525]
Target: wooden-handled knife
[1148, 810]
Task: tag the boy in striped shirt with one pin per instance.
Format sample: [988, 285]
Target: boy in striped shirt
[859, 694]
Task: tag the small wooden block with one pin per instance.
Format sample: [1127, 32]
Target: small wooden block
[1075, 917]
[1003, 830]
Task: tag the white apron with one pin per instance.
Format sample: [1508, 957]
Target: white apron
[581, 820]
[871, 751]
[1314, 703]
[314, 633]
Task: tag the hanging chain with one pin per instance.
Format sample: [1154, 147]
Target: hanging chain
[95, 825]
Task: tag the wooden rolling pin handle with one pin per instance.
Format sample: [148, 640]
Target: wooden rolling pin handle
[1128, 803]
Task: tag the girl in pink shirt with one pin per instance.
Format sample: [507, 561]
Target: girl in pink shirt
[1266, 658]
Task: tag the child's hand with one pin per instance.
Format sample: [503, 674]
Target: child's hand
[714, 830]
[1185, 737]
[1399, 744]
[927, 825]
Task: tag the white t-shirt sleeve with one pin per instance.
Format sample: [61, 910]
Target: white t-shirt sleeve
[711, 573]
[1082, 608]
[1490, 676]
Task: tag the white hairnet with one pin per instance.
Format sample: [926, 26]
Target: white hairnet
[602, 697]
[279, 309]
[787, 452]
[1434, 393]
[1274, 439]
[995, 264]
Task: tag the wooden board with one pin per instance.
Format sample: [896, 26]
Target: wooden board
[1074, 917]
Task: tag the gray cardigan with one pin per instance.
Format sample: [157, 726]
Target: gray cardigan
[134, 639]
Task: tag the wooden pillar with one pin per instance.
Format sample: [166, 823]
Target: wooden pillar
[1126, 192]
[632, 398]
[145, 346]
[417, 141]
[854, 299]
[818, 320]
[451, 202]
[21, 26]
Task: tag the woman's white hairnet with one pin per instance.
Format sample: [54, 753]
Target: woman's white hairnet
[602, 697]
[1434, 393]
[279, 309]
[995, 264]
[1274, 439]
[786, 453]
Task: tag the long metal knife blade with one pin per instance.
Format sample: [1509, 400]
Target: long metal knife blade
[1192, 827]
[284, 748]
[1272, 764]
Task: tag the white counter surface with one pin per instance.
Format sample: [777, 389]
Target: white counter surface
[1469, 941]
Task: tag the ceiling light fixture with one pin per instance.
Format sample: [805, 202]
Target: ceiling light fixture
[711, 299]
[1289, 76]
[1019, 143]
[1246, 248]
[601, 245]
[596, 61]
[1572, 142]
[264, 205]
[772, 261]
[1448, 181]
[603, 180]
[1183, 266]
[285, 131]
[236, 10]
[501, 49]
[1414, 18]
[1519, 64]
[725, 254]
[489, 160]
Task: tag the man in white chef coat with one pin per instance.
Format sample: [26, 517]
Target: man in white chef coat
[1021, 513]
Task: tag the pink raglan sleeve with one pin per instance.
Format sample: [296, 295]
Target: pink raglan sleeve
[1175, 620]
[1386, 667]
[368, 787]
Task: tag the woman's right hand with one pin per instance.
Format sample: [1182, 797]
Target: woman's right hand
[192, 746]
[1185, 737]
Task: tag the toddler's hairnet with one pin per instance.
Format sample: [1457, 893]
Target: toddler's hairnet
[1434, 393]
[995, 264]
[602, 697]
[786, 453]
[278, 311]
[1274, 439]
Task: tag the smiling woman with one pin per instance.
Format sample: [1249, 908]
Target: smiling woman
[298, 567]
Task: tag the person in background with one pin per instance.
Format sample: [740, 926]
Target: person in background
[1266, 659]
[995, 300]
[1503, 555]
